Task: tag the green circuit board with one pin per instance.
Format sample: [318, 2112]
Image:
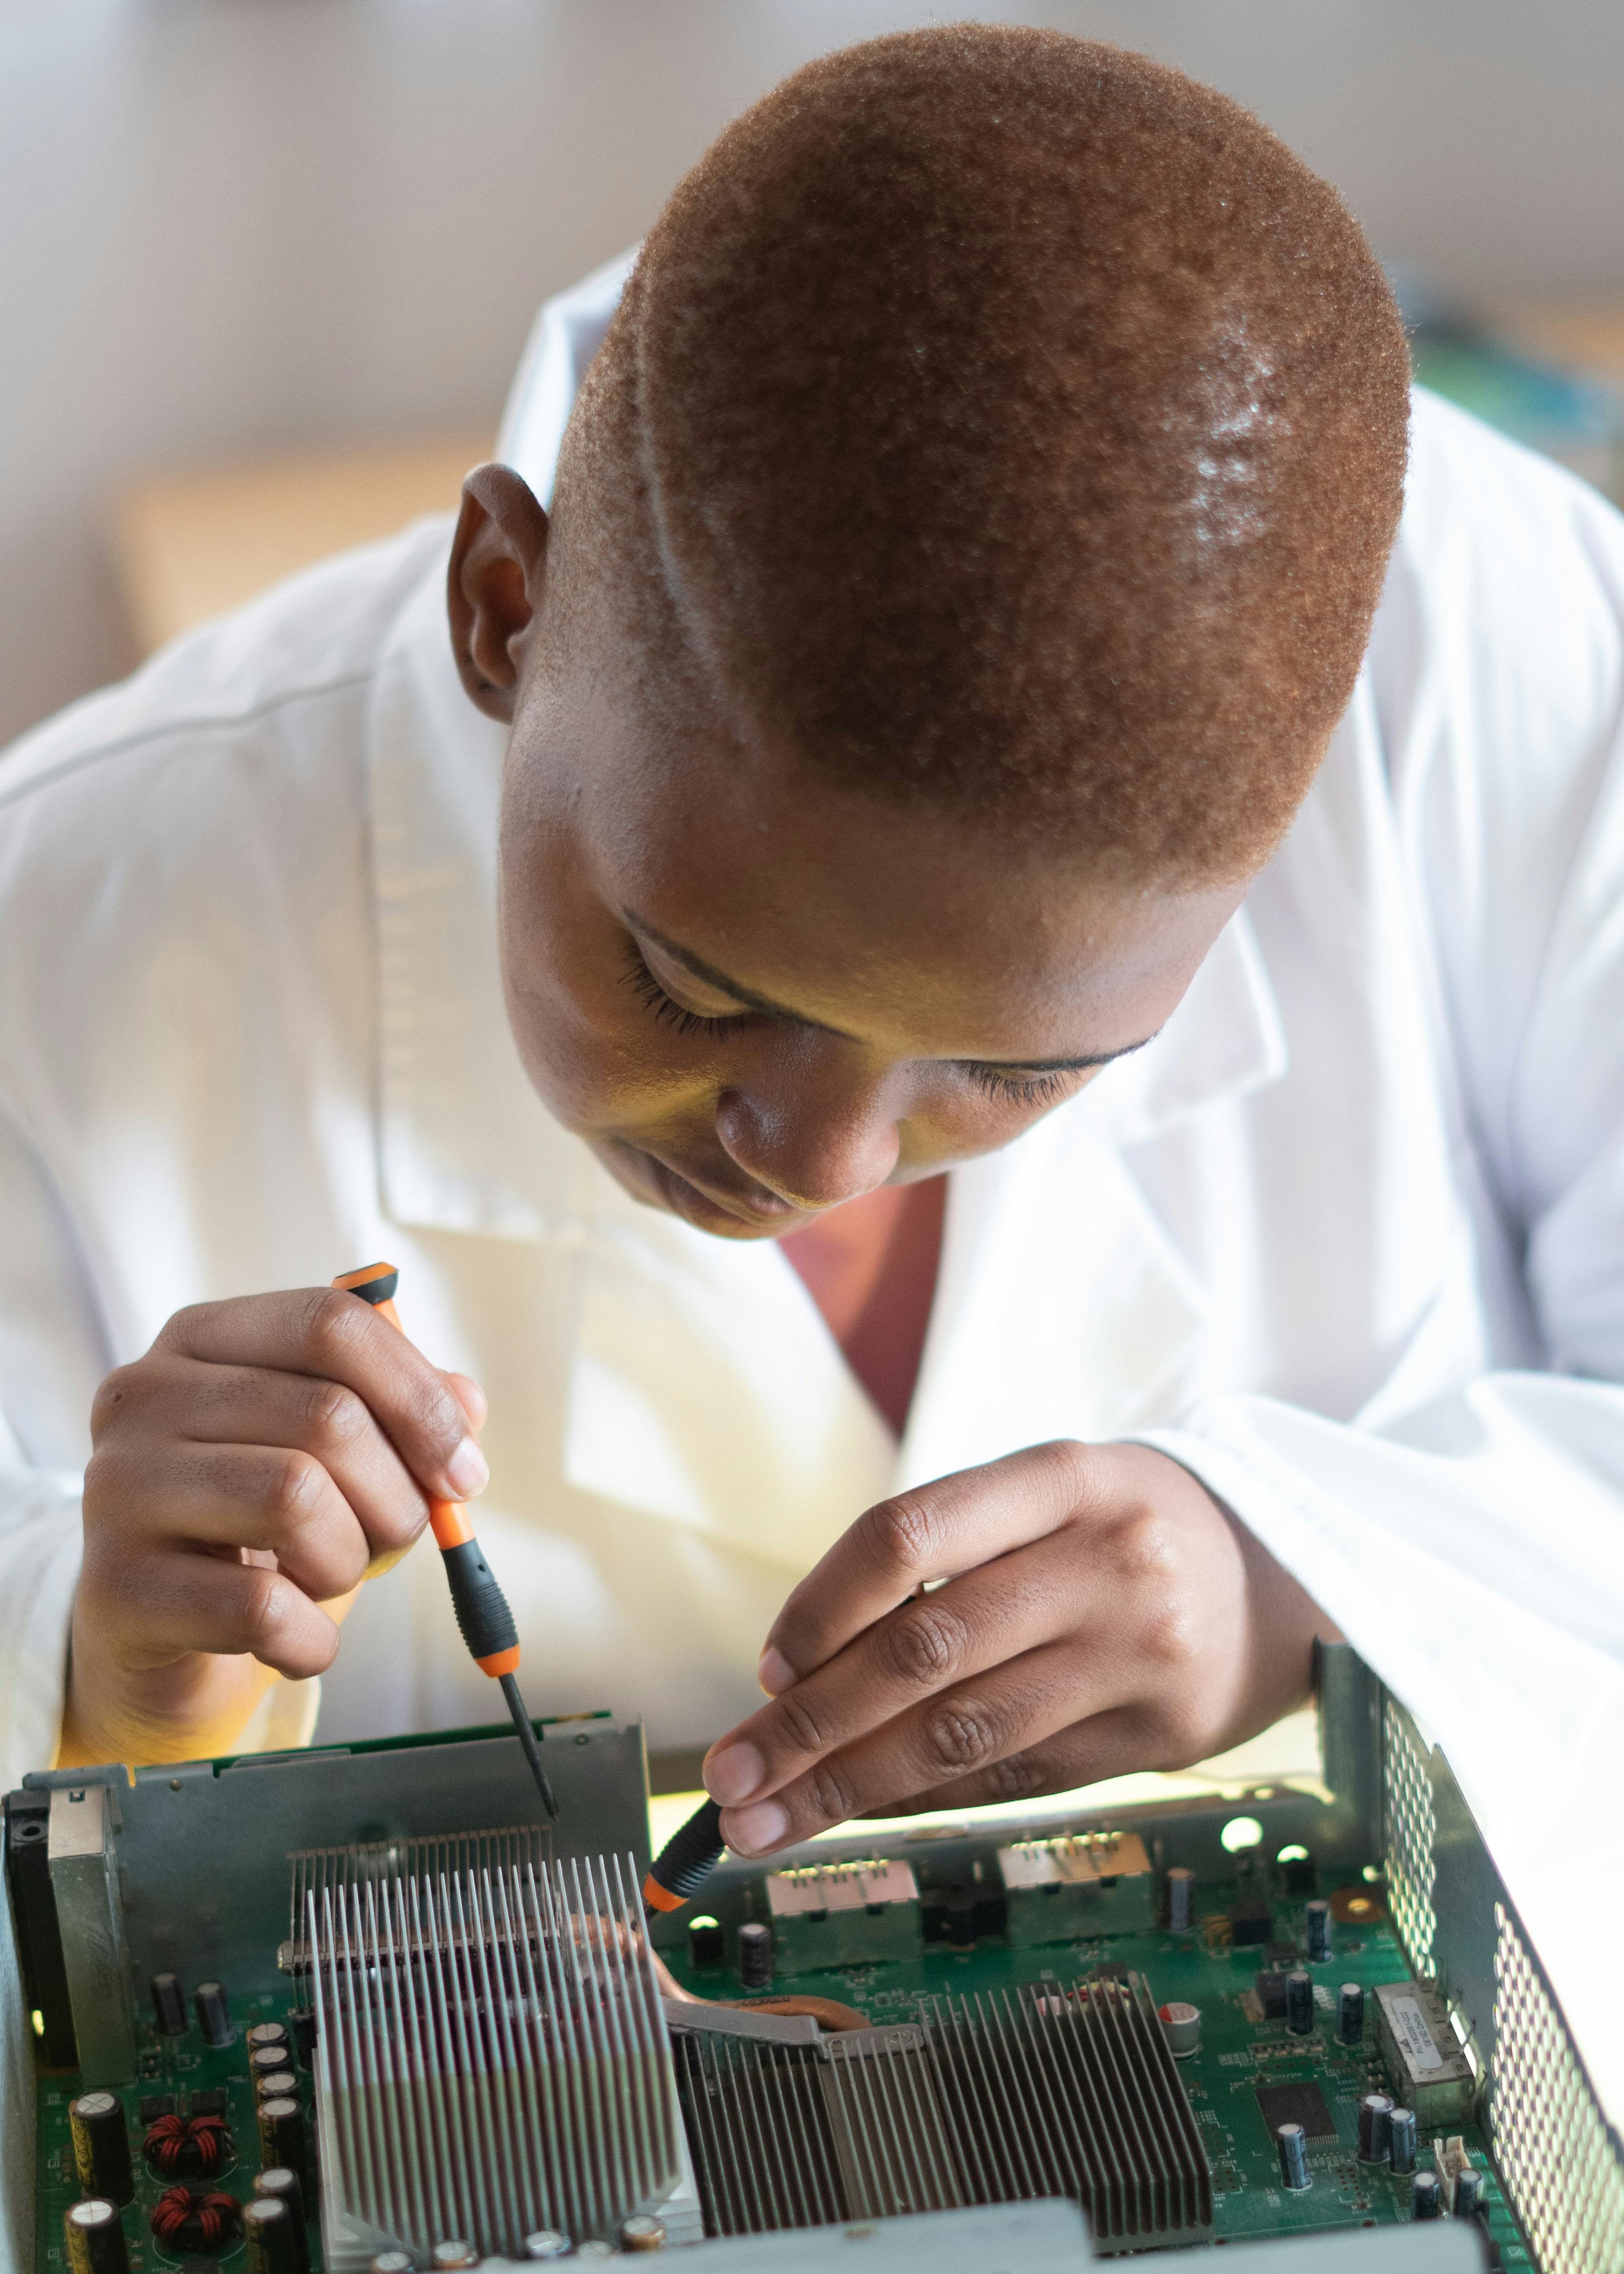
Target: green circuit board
[1237, 2055]
[176, 2067]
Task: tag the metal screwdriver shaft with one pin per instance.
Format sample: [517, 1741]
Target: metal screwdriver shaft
[481, 1607]
[527, 1746]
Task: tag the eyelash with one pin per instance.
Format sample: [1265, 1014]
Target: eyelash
[1007, 1089]
[1012, 1089]
[642, 983]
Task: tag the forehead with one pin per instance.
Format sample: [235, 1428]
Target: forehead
[921, 932]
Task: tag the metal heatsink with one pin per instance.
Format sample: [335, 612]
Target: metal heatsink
[317, 1870]
[984, 2099]
[492, 2056]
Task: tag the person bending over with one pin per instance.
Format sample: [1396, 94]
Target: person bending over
[938, 712]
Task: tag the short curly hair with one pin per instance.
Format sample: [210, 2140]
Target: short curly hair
[1001, 419]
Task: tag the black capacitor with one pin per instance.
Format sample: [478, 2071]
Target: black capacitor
[1426, 2197]
[266, 2033]
[281, 2138]
[707, 1944]
[1299, 2003]
[1298, 1874]
[102, 2146]
[1350, 2014]
[1317, 1925]
[1180, 1894]
[278, 2184]
[95, 2237]
[755, 1954]
[1375, 2127]
[1248, 1923]
[302, 2022]
[272, 2239]
[169, 2005]
[282, 2181]
[1292, 2142]
[1251, 1877]
[271, 2068]
[1402, 2139]
[1468, 2201]
[214, 2013]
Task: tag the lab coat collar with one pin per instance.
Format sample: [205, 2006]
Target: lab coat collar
[1224, 1041]
[1108, 1337]
[705, 1387]
[464, 1142]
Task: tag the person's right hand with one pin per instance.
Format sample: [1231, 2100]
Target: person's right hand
[264, 1458]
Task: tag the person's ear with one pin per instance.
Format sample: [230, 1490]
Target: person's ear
[493, 588]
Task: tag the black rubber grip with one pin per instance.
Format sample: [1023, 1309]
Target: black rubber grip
[480, 1605]
[380, 1290]
[689, 1857]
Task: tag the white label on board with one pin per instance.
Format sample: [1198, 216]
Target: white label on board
[1410, 2027]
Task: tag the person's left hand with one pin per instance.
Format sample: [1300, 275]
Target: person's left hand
[1102, 1612]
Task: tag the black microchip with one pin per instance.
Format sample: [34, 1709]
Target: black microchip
[957, 1911]
[1297, 2103]
[1280, 1955]
[211, 2103]
[1270, 1989]
[155, 2105]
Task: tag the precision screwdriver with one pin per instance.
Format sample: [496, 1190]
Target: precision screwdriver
[686, 1860]
[481, 1607]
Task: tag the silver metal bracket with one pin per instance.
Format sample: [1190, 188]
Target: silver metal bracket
[84, 1874]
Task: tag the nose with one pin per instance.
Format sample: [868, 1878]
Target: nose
[814, 1149]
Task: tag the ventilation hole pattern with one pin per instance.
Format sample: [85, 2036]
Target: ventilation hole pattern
[1409, 1828]
[1560, 2166]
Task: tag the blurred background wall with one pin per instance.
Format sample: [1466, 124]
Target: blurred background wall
[234, 227]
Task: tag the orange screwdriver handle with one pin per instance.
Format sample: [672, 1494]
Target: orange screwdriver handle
[481, 1607]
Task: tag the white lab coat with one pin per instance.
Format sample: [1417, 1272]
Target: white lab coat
[1348, 1239]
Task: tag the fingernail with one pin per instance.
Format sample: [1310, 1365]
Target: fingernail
[748, 1830]
[775, 1671]
[468, 1471]
[734, 1774]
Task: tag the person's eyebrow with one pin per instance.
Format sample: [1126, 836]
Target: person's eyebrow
[750, 1000]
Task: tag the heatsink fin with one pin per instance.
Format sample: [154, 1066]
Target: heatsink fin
[984, 2099]
[506, 1847]
[493, 2053]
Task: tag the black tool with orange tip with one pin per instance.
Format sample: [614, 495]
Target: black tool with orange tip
[686, 1860]
[481, 1607]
